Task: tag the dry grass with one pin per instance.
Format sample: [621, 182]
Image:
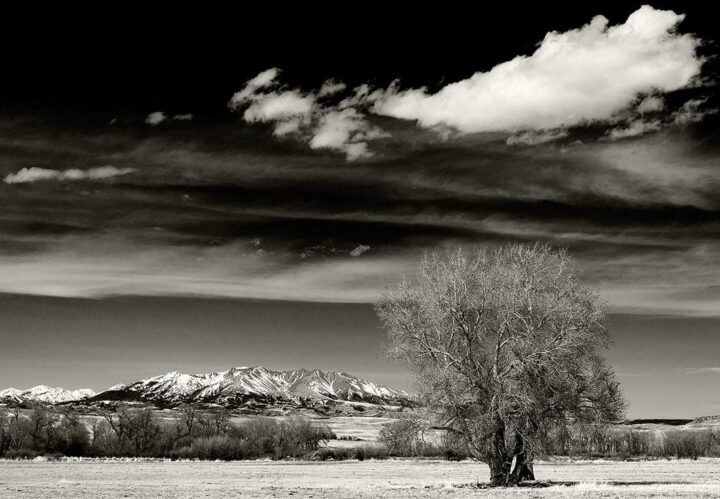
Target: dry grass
[392, 478]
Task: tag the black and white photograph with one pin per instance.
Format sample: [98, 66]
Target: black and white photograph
[360, 250]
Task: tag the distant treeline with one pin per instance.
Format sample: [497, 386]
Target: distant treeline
[128, 432]
[623, 443]
[193, 434]
[407, 437]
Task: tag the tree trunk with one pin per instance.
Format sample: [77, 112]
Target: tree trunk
[498, 456]
[523, 469]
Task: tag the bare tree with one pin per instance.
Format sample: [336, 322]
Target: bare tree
[135, 430]
[118, 420]
[4, 430]
[505, 345]
[214, 423]
[404, 437]
[41, 427]
[188, 420]
[144, 430]
[17, 429]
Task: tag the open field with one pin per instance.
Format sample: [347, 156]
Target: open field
[367, 479]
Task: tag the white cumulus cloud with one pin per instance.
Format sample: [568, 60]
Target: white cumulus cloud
[597, 73]
[331, 87]
[263, 80]
[344, 130]
[579, 76]
[339, 127]
[34, 174]
[263, 102]
[651, 104]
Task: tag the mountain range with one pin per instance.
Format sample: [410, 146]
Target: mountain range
[252, 388]
[45, 395]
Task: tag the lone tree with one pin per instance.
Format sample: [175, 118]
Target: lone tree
[505, 345]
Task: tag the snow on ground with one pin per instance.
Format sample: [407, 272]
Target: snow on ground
[367, 429]
[350, 479]
[358, 429]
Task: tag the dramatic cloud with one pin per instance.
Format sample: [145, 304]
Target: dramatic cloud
[582, 75]
[640, 215]
[594, 74]
[34, 174]
[183, 117]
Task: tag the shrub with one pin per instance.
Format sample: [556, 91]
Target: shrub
[452, 447]
[360, 453]
[22, 453]
[403, 437]
[688, 443]
[218, 447]
[370, 452]
[332, 454]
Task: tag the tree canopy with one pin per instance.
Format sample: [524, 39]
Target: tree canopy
[506, 345]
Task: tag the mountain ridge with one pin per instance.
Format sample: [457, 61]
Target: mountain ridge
[237, 387]
[45, 394]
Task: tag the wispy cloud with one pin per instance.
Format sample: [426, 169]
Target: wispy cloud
[34, 174]
[692, 112]
[633, 129]
[157, 117]
[536, 138]
[93, 269]
[639, 215]
[700, 370]
[359, 250]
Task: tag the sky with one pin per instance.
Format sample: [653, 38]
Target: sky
[198, 190]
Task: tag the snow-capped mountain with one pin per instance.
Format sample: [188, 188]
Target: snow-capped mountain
[44, 394]
[241, 386]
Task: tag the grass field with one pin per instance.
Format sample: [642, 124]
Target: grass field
[367, 479]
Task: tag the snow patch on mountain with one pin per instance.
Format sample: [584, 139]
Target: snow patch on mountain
[45, 394]
[235, 387]
[240, 384]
